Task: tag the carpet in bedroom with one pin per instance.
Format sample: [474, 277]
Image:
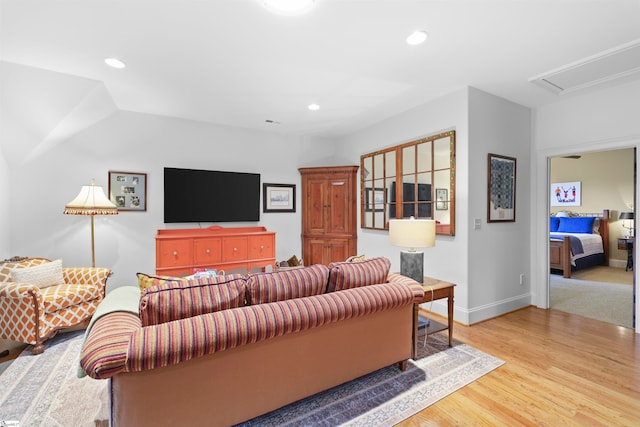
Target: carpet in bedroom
[607, 302]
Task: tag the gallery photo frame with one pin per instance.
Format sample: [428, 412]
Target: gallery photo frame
[128, 190]
[278, 197]
[374, 199]
[501, 197]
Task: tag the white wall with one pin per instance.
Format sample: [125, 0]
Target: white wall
[597, 120]
[484, 264]
[136, 142]
[498, 252]
[448, 259]
[5, 208]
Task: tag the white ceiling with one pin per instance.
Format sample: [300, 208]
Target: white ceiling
[232, 62]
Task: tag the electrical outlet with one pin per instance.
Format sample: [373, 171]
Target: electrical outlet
[522, 278]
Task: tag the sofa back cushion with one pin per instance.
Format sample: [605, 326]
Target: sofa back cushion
[7, 266]
[175, 300]
[288, 284]
[348, 275]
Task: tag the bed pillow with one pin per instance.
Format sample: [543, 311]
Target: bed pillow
[554, 223]
[576, 225]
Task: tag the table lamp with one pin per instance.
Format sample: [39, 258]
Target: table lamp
[412, 233]
[91, 201]
[630, 216]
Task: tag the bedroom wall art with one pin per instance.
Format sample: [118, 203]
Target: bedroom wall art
[565, 194]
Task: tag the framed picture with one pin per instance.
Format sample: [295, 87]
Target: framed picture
[565, 194]
[278, 197]
[128, 190]
[374, 199]
[501, 199]
[442, 196]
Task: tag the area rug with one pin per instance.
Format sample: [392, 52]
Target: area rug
[607, 302]
[44, 390]
[389, 396]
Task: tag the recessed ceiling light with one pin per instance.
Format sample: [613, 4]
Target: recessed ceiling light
[313, 107]
[417, 37]
[114, 62]
[289, 7]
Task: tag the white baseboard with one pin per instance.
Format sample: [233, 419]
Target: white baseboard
[618, 263]
[479, 314]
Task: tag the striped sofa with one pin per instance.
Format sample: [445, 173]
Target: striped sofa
[223, 351]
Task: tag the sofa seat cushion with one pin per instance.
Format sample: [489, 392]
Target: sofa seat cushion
[348, 275]
[56, 298]
[175, 300]
[223, 330]
[287, 284]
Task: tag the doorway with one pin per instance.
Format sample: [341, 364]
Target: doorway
[607, 181]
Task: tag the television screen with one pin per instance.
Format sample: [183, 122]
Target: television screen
[192, 195]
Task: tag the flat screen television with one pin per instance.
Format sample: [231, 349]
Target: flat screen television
[193, 195]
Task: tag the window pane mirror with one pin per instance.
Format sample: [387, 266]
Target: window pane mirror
[416, 179]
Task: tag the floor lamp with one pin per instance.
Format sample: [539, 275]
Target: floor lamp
[412, 233]
[91, 201]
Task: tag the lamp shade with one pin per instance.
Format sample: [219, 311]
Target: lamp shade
[412, 233]
[91, 201]
[626, 215]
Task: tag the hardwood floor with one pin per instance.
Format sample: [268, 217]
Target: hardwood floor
[560, 370]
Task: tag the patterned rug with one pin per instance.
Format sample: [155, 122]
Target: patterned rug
[44, 390]
[388, 396]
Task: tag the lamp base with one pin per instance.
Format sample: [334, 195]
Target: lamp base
[412, 265]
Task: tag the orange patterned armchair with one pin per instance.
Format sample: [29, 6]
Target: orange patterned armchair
[38, 298]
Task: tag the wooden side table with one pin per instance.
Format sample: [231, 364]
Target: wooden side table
[627, 243]
[434, 289]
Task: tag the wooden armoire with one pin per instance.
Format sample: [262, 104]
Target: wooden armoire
[329, 201]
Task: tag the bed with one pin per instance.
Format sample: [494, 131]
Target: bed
[578, 242]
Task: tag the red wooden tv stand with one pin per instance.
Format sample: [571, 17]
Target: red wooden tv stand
[180, 251]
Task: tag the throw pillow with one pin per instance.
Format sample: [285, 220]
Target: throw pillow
[356, 258]
[179, 299]
[554, 223]
[287, 284]
[146, 280]
[43, 275]
[576, 225]
[347, 275]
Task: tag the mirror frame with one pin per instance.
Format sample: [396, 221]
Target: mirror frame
[378, 204]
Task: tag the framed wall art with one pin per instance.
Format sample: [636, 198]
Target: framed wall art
[374, 199]
[566, 194]
[441, 199]
[128, 190]
[501, 198]
[278, 197]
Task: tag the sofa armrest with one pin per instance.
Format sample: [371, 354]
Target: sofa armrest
[105, 350]
[14, 294]
[416, 288]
